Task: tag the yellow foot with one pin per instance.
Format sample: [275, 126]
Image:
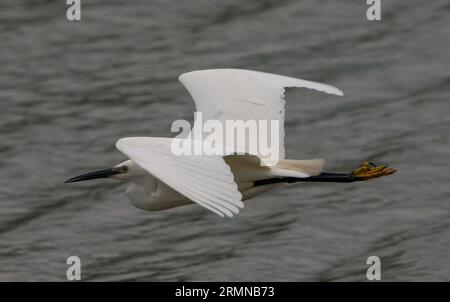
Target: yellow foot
[369, 170]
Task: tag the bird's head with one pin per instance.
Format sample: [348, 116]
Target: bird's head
[123, 171]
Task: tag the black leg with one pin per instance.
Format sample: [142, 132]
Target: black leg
[323, 177]
[365, 172]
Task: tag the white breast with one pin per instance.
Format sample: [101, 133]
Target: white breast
[149, 193]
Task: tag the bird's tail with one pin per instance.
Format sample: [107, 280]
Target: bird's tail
[297, 168]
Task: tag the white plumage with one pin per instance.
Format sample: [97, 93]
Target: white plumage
[236, 94]
[222, 94]
[160, 180]
[206, 180]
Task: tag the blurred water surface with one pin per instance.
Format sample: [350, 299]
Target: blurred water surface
[69, 90]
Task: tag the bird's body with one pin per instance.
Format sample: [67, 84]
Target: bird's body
[159, 179]
[149, 193]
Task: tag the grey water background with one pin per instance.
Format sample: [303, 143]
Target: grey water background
[69, 90]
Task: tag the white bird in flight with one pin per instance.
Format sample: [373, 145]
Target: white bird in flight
[160, 180]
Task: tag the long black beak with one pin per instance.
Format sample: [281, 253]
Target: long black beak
[105, 173]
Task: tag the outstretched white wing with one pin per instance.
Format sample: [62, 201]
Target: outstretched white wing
[206, 180]
[235, 94]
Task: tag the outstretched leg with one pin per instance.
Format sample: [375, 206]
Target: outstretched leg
[366, 171]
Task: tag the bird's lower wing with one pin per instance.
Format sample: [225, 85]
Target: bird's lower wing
[206, 180]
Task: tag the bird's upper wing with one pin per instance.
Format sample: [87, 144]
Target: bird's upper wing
[235, 94]
[206, 180]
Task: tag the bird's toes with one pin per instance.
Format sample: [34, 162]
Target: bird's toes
[369, 170]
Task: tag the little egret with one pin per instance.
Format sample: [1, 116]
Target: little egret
[160, 180]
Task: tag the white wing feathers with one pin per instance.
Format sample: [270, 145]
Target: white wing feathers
[206, 180]
[235, 94]
[220, 94]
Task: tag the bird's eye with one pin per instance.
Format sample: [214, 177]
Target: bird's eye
[124, 169]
